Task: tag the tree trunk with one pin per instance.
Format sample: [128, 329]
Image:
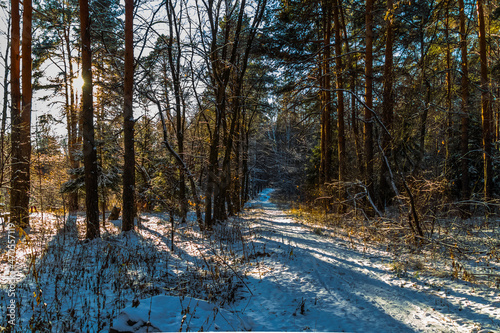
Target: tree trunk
[128, 212]
[368, 126]
[21, 117]
[87, 119]
[427, 101]
[72, 125]
[17, 213]
[387, 108]
[175, 69]
[326, 105]
[3, 163]
[340, 99]
[485, 104]
[464, 121]
[449, 86]
[352, 76]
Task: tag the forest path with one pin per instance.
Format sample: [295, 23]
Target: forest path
[302, 280]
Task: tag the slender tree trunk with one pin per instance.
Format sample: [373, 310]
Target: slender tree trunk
[87, 119]
[326, 107]
[237, 174]
[179, 160]
[464, 121]
[25, 128]
[427, 101]
[449, 86]
[368, 126]
[485, 104]
[387, 107]
[17, 213]
[352, 76]
[175, 68]
[72, 123]
[128, 212]
[5, 106]
[340, 93]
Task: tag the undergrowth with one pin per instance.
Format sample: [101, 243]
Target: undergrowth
[453, 247]
[68, 284]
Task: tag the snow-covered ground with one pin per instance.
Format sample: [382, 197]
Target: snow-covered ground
[305, 281]
[261, 271]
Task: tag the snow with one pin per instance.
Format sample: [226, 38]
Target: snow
[179, 314]
[260, 271]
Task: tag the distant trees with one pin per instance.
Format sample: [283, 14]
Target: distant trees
[386, 89]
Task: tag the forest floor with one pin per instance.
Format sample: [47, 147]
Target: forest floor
[262, 271]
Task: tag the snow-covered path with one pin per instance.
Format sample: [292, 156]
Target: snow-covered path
[301, 280]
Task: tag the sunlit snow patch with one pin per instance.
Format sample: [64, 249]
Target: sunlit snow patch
[176, 314]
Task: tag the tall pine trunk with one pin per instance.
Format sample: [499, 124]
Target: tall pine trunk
[464, 121]
[87, 119]
[72, 122]
[340, 98]
[326, 105]
[387, 108]
[485, 104]
[128, 211]
[368, 126]
[21, 116]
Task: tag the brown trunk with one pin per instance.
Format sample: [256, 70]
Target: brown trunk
[17, 212]
[72, 125]
[427, 102]
[352, 76]
[340, 93]
[464, 126]
[368, 126]
[175, 68]
[326, 106]
[128, 212]
[449, 86]
[21, 121]
[485, 104]
[87, 119]
[387, 108]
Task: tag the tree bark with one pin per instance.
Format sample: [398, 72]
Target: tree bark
[485, 104]
[17, 213]
[175, 69]
[464, 121]
[368, 126]
[5, 106]
[87, 119]
[128, 212]
[326, 105]
[340, 100]
[21, 117]
[449, 86]
[72, 119]
[387, 107]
